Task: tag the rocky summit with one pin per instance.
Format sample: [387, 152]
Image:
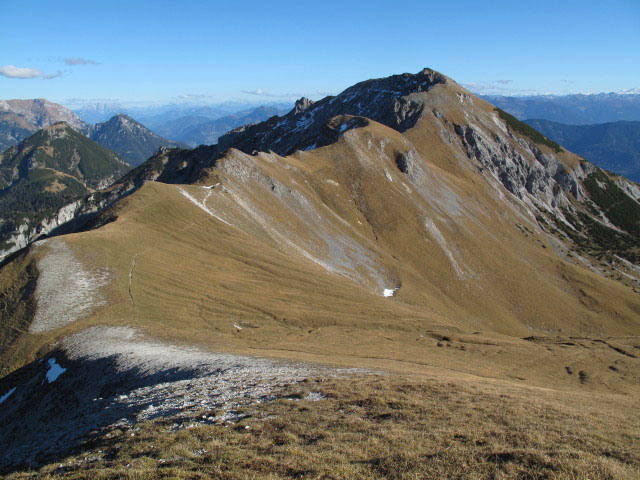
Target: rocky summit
[129, 138]
[304, 279]
[21, 118]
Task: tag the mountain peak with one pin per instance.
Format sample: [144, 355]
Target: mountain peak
[33, 114]
[129, 138]
[57, 130]
[390, 101]
[57, 126]
[123, 116]
[302, 104]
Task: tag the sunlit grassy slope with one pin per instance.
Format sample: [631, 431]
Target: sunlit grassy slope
[502, 352]
[269, 261]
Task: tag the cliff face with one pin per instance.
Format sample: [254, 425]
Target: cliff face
[67, 219]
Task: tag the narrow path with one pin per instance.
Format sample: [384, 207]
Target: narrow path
[133, 267]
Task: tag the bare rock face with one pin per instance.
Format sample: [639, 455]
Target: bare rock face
[520, 175]
[67, 219]
[394, 101]
[302, 105]
[41, 113]
[21, 118]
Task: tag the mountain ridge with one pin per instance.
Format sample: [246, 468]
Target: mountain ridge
[579, 109]
[612, 146]
[403, 226]
[44, 173]
[21, 118]
[129, 138]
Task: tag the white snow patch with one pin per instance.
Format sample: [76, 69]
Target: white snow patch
[332, 182]
[390, 292]
[6, 395]
[388, 175]
[343, 127]
[55, 370]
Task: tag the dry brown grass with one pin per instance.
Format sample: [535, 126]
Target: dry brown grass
[17, 306]
[382, 427]
[195, 277]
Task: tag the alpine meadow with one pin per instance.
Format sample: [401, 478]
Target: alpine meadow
[402, 276]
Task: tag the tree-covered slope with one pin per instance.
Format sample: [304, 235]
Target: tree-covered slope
[48, 170]
[613, 146]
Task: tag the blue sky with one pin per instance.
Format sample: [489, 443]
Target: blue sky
[211, 51]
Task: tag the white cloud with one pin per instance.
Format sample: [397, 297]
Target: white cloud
[49, 76]
[12, 71]
[258, 91]
[193, 97]
[80, 61]
[261, 93]
[497, 88]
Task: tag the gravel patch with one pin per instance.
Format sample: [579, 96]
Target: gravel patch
[66, 291]
[116, 376]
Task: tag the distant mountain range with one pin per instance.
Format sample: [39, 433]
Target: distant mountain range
[156, 115]
[21, 118]
[129, 138]
[200, 130]
[613, 146]
[575, 109]
[121, 133]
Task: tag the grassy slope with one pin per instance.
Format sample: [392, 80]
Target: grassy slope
[381, 427]
[502, 373]
[195, 277]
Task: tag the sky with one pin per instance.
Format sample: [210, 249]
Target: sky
[140, 52]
